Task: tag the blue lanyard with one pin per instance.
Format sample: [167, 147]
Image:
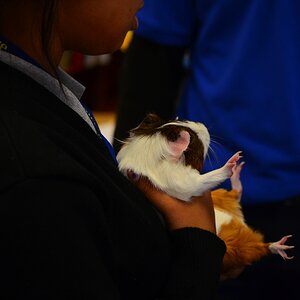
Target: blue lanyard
[99, 134]
[6, 45]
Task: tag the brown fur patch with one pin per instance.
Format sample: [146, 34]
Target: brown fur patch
[148, 126]
[194, 155]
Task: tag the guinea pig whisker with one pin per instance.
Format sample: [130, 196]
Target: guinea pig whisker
[208, 157]
[120, 141]
[214, 142]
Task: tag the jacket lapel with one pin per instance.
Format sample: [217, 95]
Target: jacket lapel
[23, 96]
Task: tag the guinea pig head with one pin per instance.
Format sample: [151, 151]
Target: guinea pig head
[186, 141]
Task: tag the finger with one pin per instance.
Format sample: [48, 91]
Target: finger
[133, 176]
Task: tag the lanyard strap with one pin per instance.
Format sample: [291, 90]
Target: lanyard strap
[99, 134]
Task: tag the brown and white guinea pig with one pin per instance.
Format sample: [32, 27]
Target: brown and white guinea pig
[171, 156]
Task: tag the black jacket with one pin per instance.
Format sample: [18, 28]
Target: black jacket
[72, 227]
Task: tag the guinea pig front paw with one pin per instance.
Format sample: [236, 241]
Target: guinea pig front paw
[231, 163]
[235, 179]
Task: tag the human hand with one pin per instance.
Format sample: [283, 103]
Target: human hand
[198, 212]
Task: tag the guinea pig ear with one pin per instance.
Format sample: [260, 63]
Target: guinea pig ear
[181, 144]
[147, 126]
[152, 118]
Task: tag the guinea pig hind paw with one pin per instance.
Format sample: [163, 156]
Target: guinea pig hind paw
[280, 247]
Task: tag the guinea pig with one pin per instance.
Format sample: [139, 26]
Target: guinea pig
[171, 155]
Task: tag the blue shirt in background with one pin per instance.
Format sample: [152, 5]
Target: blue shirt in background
[244, 83]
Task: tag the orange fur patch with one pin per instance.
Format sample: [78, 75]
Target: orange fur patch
[228, 201]
[244, 246]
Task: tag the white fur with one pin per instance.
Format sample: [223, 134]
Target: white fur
[222, 218]
[151, 156]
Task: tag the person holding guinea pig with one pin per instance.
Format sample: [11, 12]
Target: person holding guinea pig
[71, 225]
[234, 66]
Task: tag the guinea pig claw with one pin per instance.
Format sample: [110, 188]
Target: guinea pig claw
[235, 157]
[231, 164]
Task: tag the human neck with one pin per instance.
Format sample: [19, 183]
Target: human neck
[23, 29]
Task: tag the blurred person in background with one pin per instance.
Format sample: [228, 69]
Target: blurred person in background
[235, 66]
